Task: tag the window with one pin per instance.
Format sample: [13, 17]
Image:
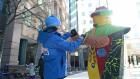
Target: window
[28, 19]
[83, 13]
[90, 5]
[49, 11]
[60, 12]
[136, 46]
[1, 5]
[90, 22]
[1, 43]
[73, 15]
[84, 22]
[55, 8]
[40, 3]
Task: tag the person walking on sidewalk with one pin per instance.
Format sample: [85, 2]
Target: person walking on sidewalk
[55, 56]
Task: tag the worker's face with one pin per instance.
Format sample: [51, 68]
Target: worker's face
[101, 20]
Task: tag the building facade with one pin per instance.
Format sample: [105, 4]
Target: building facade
[85, 8]
[132, 41]
[73, 14]
[79, 14]
[20, 45]
[132, 49]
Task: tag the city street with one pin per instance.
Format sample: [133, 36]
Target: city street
[58, 38]
[129, 73]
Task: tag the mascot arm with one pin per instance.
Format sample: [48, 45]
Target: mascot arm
[120, 33]
[97, 41]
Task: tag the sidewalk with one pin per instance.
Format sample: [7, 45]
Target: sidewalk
[81, 75]
[129, 73]
[132, 73]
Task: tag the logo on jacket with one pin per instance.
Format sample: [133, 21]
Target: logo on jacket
[45, 51]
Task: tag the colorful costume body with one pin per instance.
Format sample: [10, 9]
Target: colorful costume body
[104, 62]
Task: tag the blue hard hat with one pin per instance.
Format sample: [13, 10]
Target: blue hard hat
[52, 21]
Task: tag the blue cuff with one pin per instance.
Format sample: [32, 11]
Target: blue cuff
[66, 35]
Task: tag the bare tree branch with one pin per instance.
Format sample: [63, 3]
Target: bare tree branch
[35, 15]
[18, 15]
[12, 15]
[35, 6]
[16, 18]
[30, 25]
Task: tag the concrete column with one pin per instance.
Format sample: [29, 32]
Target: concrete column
[126, 63]
[11, 44]
[121, 72]
[38, 53]
[52, 6]
[81, 59]
[22, 51]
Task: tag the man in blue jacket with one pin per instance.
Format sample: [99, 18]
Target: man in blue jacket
[55, 56]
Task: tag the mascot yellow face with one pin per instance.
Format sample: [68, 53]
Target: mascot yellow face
[101, 16]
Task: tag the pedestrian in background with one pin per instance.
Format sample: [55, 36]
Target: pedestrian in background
[57, 45]
[129, 60]
[41, 66]
[132, 59]
[31, 69]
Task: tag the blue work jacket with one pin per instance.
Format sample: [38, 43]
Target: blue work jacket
[55, 57]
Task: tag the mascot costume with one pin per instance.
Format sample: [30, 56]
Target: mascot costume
[104, 60]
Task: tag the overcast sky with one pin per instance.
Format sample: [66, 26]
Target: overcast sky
[125, 13]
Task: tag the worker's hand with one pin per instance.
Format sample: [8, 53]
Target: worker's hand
[43, 50]
[97, 42]
[73, 33]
